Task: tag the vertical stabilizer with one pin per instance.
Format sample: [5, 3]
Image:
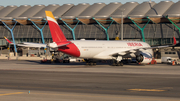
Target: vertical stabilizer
[174, 41]
[56, 32]
[7, 40]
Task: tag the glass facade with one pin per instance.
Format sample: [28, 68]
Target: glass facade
[155, 34]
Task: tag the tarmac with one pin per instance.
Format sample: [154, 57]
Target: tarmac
[25, 57]
[27, 79]
[37, 58]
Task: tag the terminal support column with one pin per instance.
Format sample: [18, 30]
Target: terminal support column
[174, 23]
[41, 32]
[72, 29]
[142, 29]
[11, 31]
[106, 29]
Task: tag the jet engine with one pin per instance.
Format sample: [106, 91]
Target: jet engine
[144, 58]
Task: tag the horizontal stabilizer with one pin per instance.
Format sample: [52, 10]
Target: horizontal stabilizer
[63, 45]
[58, 44]
[174, 41]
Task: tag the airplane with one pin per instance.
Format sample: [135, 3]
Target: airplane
[92, 50]
[27, 44]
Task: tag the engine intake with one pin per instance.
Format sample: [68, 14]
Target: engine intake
[139, 58]
[144, 58]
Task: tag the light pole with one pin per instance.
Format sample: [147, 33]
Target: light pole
[122, 22]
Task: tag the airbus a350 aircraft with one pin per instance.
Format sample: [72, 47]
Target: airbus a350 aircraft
[92, 50]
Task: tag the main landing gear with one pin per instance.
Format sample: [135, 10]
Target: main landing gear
[117, 63]
[90, 62]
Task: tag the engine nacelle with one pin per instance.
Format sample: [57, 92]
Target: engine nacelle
[144, 58]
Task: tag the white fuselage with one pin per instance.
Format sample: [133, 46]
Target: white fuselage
[97, 49]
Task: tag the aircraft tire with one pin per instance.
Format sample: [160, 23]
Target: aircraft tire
[117, 64]
[94, 63]
[113, 64]
[91, 63]
[121, 63]
[87, 64]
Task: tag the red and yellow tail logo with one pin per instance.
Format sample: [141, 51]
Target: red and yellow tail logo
[7, 40]
[56, 32]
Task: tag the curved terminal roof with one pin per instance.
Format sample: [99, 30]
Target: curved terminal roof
[126, 8]
[75, 11]
[5, 11]
[91, 10]
[123, 11]
[61, 10]
[106, 11]
[159, 9]
[17, 12]
[100, 11]
[41, 14]
[1, 7]
[173, 11]
[30, 12]
[87, 15]
[140, 10]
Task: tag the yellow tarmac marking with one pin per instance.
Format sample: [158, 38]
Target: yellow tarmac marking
[147, 90]
[11, 93]
[139, 90]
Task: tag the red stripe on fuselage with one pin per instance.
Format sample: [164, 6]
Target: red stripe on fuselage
[70, 49]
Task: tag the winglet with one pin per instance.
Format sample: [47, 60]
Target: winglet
[7, 40]
[174, 41]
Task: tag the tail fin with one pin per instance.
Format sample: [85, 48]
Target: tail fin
[7, 40]
[174, 41]
[56, 32]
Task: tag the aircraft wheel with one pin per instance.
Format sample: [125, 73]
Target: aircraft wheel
[94, 63]
[113, 64]
[91, 63]
[117, 64]
[87, 64]
[121, 63]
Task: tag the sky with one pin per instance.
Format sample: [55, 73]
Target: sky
[61, 2]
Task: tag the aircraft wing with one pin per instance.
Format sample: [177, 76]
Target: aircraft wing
[125, 52]
[28, 44]
[32, 45]
[38, 45]
[141, 49]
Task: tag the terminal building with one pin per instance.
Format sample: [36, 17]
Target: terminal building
[151, 22]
